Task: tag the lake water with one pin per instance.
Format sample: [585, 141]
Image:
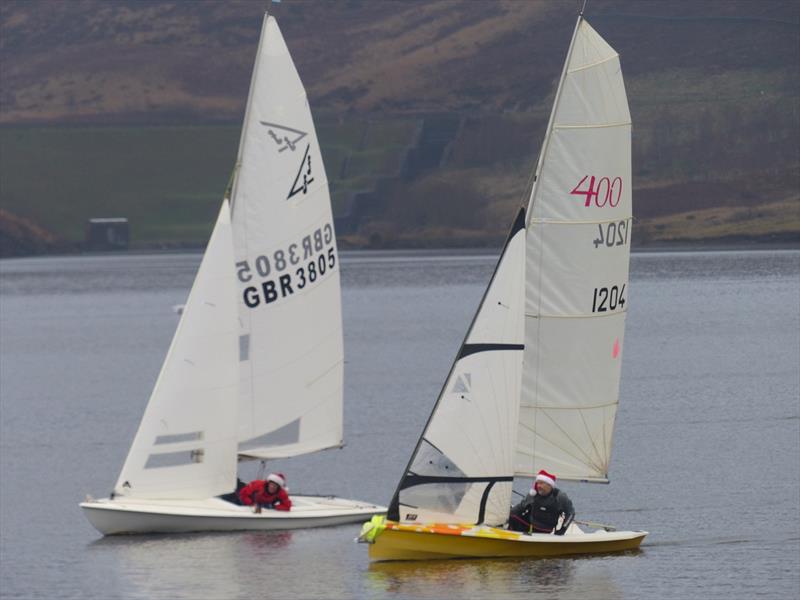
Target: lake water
[706, 455]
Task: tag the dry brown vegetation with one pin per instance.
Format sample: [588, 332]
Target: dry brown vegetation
[713, 87]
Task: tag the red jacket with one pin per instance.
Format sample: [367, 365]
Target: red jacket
[255, 492]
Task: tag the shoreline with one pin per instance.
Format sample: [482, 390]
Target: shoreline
[659, 247]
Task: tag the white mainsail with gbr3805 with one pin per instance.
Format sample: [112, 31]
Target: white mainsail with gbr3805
[287, 267]
[255, 366]
[535, 384]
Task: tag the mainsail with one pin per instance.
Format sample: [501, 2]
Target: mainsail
[462, 467]
[578, 249]
[287, 269]
[186, 443]
[536, 382]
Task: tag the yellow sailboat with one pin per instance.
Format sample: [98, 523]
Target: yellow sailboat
[403, 541]
[535, 384]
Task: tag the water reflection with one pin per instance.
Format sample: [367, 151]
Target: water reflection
[554, 578]
[152, 566]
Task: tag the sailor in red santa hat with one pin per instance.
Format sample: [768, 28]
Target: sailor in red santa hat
[541, 509]
[269, 493]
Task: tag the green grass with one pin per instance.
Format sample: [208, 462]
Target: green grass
[168, 181]
[156, 177]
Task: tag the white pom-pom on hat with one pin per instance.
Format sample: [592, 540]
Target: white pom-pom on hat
[278, 478]
[543, 477]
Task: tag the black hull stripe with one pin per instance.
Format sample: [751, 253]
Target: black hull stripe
[468, 349]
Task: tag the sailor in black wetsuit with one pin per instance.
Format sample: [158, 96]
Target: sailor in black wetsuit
[540, 510]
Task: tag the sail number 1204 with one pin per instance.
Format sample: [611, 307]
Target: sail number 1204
[612, 234]
[606, 299]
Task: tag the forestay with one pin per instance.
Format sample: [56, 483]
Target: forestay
[578, 247]
[462, 467]
[287, 269]
[185, 447]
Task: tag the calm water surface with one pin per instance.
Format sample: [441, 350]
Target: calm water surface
[706, 455]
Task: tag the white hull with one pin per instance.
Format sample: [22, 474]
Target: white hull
[130, 515]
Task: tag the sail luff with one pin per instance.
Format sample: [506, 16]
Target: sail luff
[470, 346]
[578, 247]
[247, 109]
[287, 265]
[549, 129]
[185, 446]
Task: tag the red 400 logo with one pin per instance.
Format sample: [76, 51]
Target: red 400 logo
[603, 191]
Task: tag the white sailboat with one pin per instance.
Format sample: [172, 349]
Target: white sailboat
[535, 384]
[255, 369]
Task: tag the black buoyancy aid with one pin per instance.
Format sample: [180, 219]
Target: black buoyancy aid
[544, 511]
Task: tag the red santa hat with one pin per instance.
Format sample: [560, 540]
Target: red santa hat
[278, 478]
[544, 477]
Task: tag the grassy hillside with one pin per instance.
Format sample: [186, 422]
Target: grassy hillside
[132, 108]
[155, 176]
[162, 59]
[168, 181]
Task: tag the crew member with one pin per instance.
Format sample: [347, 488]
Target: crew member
[266, 493]
[540, 510]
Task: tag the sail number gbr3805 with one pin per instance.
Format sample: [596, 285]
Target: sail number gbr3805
[288, 270]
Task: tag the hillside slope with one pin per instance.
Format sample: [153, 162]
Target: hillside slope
[713, 87]
[127, 59]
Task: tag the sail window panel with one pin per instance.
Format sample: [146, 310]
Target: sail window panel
[287, 434]
[501, 316]
[444, 498]
[174, 459]
[572, 363]
[581, 268]
[596, 162]
[593, 97]
[307, 387]
[574, 443]
[473, 429]
[431, 461]
[320, 427]
[288, 450]
[176, 438]
[244, 347]
[457, 502]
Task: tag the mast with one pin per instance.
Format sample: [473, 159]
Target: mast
[235, 175]
[549, 130]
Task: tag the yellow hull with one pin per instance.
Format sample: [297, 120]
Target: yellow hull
[411, 542]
